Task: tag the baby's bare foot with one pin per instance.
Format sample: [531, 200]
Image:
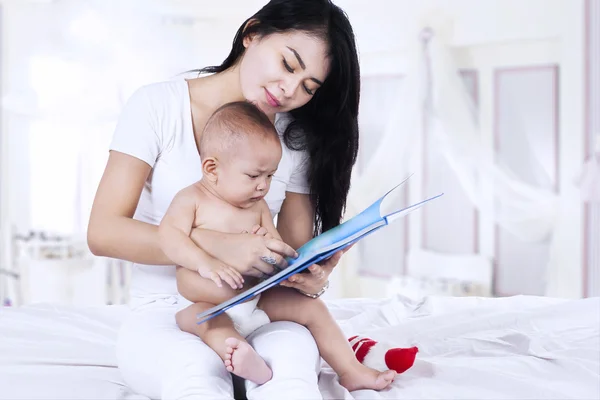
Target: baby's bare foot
[363, 377]
[242, 360]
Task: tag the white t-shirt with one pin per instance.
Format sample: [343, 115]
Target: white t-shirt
[156, 127]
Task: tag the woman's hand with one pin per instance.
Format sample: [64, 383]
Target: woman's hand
[260, 230]
[250, 254]
[313, 282]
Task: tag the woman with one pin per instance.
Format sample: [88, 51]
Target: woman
[295, 59]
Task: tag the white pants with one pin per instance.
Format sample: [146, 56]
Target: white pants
[160, 361]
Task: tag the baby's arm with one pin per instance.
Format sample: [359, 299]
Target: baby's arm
[266, 222]
[174, 235]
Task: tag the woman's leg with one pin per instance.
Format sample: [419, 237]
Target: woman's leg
[282, 304]
[160, 361]
[220, 335]
[291, 352]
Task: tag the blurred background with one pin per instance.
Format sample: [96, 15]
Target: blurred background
[495, 103]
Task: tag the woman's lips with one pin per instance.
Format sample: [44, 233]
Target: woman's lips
[273, 102]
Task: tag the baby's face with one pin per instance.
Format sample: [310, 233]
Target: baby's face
[246, 177]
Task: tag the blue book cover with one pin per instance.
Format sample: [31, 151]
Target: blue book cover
[379, 214]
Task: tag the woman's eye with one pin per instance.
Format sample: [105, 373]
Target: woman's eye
[308, 91]
[287, 66]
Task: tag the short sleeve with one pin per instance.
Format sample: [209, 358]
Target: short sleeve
[298, 181]
[137, 132]
[299, 178]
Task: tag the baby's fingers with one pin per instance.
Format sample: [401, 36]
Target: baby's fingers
[239, 279]
[214, 276]
[224, 274]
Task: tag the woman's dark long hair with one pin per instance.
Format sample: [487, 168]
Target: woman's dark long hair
[327, 126]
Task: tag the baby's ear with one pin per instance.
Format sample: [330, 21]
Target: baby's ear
[210, 168]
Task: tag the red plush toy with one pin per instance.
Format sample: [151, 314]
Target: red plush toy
[381, 357]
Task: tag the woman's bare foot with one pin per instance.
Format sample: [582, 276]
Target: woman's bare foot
[242, 360]
[363, 377]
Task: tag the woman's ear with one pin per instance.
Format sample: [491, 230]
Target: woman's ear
[210, 167]
[250, 37]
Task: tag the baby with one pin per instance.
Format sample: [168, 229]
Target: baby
[240, 151]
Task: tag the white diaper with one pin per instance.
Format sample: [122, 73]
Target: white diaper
[246, 317]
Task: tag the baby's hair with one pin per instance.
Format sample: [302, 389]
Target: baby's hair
[232, 122]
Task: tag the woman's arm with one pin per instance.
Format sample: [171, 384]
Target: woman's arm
[112, 231]
[295, 225]
[295, 219]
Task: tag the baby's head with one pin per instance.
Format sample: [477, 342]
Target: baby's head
[240, 152]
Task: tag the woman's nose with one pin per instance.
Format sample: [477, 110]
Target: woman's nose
[289, 86]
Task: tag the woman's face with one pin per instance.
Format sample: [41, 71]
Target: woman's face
[283, 71]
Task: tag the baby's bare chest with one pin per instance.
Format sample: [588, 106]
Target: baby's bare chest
[226, 218]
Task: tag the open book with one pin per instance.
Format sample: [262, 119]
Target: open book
[377, 215]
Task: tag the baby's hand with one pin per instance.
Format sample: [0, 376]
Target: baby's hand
[220, 272]
[259, 230]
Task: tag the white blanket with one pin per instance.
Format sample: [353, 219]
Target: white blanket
[469, 348]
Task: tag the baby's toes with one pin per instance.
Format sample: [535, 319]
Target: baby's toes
[388, 376]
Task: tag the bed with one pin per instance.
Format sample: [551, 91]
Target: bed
[520, 347]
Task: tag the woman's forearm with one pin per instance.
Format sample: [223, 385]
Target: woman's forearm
[126, 239]
[180, 248]
[211, 242]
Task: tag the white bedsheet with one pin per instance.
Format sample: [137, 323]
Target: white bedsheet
[470, 348]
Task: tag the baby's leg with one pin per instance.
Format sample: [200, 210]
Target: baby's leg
[285, 304]
[220, 335]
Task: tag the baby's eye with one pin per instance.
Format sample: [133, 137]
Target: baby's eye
[252, 176]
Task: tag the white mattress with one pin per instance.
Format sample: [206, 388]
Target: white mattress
[470, 348]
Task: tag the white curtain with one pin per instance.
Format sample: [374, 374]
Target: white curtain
[433, 90]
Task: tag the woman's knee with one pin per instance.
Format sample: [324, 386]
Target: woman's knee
[291, 352]
[283, 339]
[158, 360]
[193, 378]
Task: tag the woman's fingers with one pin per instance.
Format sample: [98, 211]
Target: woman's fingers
[263, 267]
[262, 231]
[332, 261]
[297, 279]
[254, 272]
[317, 271]
[281, 248]
[274, 259]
